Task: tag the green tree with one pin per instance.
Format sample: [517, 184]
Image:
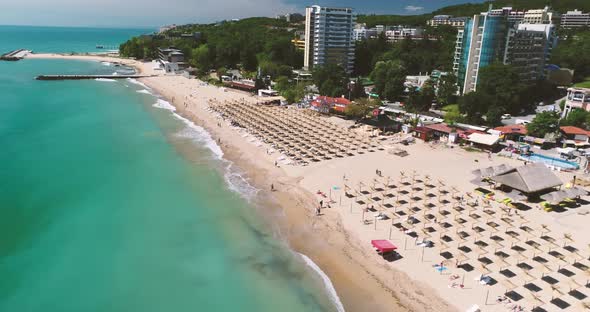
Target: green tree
[357, 90]
[421, 100]
[452, 114]
[543, 123]
[294, 93]
[577, 118]
[222, 71]
[474, 105]
[568, 54]
[447, 89]
[200, 58]
[389, 78]
[502, 85]
[282, 84]
[330, 79]
[360, 108]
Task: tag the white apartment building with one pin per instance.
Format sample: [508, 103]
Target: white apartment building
[574, 19]
[329, 37]
[361, 32]
[398, 33]
[577, 98]
[539, 16]
[457, 22]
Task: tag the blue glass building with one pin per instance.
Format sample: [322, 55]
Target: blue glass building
[482, 42]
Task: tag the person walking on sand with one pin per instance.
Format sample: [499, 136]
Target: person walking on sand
[321, 203]
[272, 187]
[318, 211]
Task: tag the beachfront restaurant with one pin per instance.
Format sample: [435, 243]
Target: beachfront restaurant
[443, 133]
[422, 133]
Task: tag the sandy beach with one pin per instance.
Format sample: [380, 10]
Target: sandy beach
[339, 239]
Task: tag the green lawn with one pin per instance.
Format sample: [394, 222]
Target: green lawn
[583, 84]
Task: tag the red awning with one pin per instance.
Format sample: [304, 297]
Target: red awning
[383, 245]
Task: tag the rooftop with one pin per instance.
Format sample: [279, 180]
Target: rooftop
[529, 178]
[573, 130]
[440, 127]
[512, 129]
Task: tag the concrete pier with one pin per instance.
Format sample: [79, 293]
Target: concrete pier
[15, 55]
[85, 77]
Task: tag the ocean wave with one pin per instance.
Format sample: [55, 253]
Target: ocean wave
[105, 80]
[144, 91]
[164, 105]
[327, 282]
[134, 81]
[200, 135]
[238, 183]
[106, 63]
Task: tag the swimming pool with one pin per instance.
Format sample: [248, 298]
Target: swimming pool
[552, 161]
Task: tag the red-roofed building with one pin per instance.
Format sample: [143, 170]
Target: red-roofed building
[574, 135]
[443, 132]
[512, 132]
[323, 104]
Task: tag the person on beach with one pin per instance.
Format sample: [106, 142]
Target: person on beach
[272, 187]
[318, 211]
[321, 203]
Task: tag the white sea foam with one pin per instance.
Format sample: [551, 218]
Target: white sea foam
[106, 63]
[237, 183]
[327, 282]
[134, 81]
[105, 80]
[164, 105]
[200, 135]
[144, 91]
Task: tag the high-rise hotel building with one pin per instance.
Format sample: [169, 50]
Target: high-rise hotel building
[329, 37]
[479, 44]
[522, 39]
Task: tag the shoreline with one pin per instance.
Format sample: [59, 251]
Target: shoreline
[357, 276]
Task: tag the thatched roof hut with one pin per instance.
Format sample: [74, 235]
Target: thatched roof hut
[529, 179]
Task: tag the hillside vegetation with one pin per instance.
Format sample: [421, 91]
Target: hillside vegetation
[469, 9]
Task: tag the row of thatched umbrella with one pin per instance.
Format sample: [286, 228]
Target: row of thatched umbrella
[301, 137]
[524, 258]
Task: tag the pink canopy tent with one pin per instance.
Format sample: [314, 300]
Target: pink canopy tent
[383, 245]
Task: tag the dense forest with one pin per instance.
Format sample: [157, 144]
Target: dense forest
[247, 44]
[416, 55]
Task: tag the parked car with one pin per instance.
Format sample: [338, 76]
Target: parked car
[506, 116]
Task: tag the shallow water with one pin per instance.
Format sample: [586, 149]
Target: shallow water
[109, 202]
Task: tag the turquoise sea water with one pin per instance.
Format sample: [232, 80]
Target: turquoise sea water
[64, 39]
[108, 202]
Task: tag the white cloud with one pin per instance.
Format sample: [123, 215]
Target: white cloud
[135, 12]
[413, 8]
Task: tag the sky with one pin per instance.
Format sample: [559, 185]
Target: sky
[153, 13]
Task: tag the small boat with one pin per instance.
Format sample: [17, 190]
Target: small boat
[99, 46]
